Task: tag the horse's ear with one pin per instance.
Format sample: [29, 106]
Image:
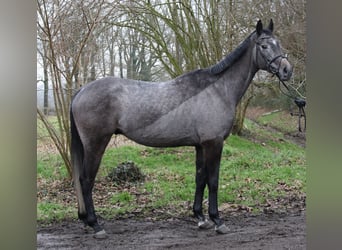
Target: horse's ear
[270, 26]
[259, 28]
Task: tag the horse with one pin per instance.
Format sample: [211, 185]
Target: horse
[194, 109]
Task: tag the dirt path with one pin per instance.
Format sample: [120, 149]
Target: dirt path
[264, 231]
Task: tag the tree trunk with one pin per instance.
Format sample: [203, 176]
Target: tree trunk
[46, 87]
[240, 112]
[92, 68]
[120, 61]
[239, 119]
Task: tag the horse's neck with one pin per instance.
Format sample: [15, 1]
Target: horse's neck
[239, 76]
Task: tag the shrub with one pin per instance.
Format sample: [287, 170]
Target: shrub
[126, 172]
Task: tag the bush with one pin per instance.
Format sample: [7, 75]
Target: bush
[126, 172]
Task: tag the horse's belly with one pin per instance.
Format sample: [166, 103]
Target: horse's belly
[165, 132]
[178, 132]
[162, 137]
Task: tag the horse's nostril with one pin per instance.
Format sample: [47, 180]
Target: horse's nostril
[287, 71]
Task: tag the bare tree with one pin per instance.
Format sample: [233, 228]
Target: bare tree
[41, 49]
[184, 35]
[153, 40]
[68, 28]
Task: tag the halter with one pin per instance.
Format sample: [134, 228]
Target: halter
[270, 69]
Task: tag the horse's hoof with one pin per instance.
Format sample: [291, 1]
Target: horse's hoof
[223, 229]
[205, 224]
[101, 234]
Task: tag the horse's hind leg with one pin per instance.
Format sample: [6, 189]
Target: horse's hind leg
[93, 152]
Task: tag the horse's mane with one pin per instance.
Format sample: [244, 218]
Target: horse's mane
[226, 62]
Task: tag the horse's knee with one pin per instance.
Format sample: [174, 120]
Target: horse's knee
[213, 186]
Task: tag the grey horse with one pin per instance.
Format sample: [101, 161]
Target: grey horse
[195, 109]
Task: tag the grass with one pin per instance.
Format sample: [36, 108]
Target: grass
[51, 167]
[255, 170]
[49, 211]
[279, 120]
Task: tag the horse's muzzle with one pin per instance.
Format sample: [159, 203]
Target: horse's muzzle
[285, 70]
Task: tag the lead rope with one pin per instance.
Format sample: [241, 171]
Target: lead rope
[300, 102]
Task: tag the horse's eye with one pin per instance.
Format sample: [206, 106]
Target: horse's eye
[264, 46]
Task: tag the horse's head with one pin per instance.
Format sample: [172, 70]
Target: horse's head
[269, 55]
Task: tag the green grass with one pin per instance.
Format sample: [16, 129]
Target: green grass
[51, 167]
[252, 172]
[170, 171]
[280, 120]
[49, 211]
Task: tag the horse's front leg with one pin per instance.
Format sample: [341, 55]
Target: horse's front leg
[212, 156]
[201, 181]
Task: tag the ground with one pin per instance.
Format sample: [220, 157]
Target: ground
[281, 225]
[263, 231]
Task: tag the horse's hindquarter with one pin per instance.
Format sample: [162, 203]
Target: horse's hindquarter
[96, 107]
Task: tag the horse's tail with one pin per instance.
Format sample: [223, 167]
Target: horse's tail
[77, 154]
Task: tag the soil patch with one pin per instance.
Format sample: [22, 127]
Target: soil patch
[263, 231]
[253, 113]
